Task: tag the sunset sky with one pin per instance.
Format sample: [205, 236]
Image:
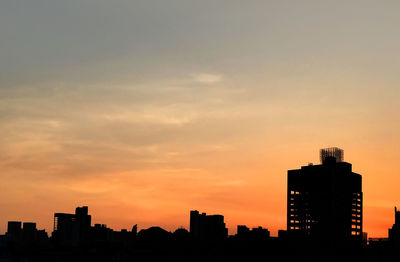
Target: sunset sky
[145, 110]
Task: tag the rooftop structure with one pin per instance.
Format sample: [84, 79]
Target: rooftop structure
[331, 152]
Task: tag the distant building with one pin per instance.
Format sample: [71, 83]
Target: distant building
[324, 202]
[260, 233]
[207, 227]
[394, 232]
[101, 232]
[14, 230]
[242, 230]
[70, 229]
[84, 219]
[29, 232]
[282, 234]
[255, 234]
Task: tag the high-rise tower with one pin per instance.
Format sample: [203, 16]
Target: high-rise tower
[324, 202]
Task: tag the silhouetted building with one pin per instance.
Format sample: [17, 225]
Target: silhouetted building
[260, 233]
[282, 234]
[29, 232]
[256, 234]
[65, 229]
[70, 229]
[324, 202]
[101, 232]
[242, 230]
[84, 220]
[14, 231]
[207, 227]
[42, 237]
[394, 232]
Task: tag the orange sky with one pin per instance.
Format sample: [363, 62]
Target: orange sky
[145, 110]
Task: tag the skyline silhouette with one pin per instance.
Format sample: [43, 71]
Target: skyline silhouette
[324, 221]
[328, 158]
[326, 197]
[74, 238]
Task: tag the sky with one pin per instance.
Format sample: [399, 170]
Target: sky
[145, 110]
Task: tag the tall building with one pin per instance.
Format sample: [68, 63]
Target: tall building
[324, 202]
[84, 219]
[394, 232]
[70, 229]
[207, 227]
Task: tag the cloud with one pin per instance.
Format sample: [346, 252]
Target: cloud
[207, 78]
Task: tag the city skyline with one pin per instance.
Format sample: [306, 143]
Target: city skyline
[145, 110]
[173, 226]
[316, 176]
[75, 238]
